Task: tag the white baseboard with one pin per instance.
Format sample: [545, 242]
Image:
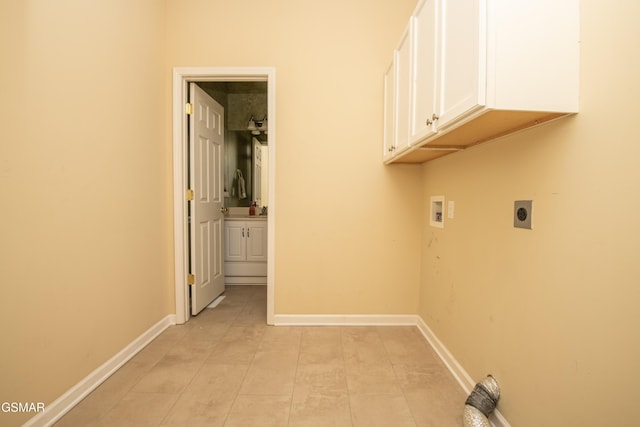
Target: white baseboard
[463, 378]
[55, 410]
[343, 319]
[458, 372]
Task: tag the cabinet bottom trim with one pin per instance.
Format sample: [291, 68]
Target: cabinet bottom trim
[245, 280]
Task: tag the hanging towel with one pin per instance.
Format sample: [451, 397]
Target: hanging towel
[242, 191]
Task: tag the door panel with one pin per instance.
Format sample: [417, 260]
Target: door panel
[257, 241]
[234, 245]
[423, 96]
[403, 92]
[389, 112]
[206, 139]
[461, 91]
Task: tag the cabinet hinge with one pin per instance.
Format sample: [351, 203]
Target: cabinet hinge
[190, 195]
[188, 108]
[191, 279]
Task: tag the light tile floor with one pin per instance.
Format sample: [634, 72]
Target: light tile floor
[226, 367]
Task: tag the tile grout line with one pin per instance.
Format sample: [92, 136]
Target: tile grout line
[180, 341]
[395, 375]
[104, 415]
[359, 347]
[346, 375]
[246, 372]
[295, 377]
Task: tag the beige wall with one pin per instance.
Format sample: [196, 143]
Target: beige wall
[347, 237]
[552, 313]
[85, 169]
[86, 218]
[84, 164]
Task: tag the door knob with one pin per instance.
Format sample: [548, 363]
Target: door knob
[224, 210]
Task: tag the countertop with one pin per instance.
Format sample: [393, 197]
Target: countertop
[245, 217]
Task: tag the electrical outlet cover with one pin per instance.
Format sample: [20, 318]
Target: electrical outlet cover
[522, 213]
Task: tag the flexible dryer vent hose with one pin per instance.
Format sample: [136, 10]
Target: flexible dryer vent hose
[481, 403]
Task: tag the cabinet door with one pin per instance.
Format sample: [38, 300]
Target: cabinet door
[389, 112]
[423, 91]
[462, 70]
[257, 241]
[403, 91]
[234, 241]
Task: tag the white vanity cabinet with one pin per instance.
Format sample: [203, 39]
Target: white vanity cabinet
[481, 69]
[245, 250]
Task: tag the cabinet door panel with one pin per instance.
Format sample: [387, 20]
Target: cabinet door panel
[389, 112]
[423, 91]
[234, 241]
[257, 241]
[462, 73]
[403, 91]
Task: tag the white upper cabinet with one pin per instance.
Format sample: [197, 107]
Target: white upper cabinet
[403, 91]
[461, 73]
[423, 88]
[481, 69]
[389, 145]
[397, 93]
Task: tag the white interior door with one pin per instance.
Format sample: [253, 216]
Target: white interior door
[206, 145]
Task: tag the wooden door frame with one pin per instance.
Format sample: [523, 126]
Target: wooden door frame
[181, 79]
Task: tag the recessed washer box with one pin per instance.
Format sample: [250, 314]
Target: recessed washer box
[436, 217]
[522, 213]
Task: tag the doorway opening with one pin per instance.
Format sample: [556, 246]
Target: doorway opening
[181, 79]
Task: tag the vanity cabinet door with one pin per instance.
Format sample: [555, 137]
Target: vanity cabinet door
[256, 241]
[235, 248]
